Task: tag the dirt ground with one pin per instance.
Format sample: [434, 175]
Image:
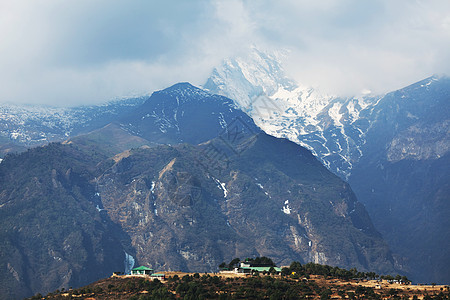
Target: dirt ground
[384, 285]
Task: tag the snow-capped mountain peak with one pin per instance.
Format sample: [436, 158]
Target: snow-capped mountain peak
[333, 128]
[282, 107]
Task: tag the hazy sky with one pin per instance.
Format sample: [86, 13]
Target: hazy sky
[85, 51]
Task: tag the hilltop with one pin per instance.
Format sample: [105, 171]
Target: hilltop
[288, 285]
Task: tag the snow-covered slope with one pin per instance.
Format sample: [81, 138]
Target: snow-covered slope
[281, 107]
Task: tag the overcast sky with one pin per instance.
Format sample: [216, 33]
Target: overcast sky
[86, 52]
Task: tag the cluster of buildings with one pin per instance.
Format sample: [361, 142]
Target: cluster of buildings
[245, 267]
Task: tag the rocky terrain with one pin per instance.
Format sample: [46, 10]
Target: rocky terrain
[185, 179]
[183, 213]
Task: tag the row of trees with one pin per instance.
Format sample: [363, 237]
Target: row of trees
[296, 269]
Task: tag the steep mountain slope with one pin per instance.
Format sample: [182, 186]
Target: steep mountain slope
[181, 113]
[281, 107]
[378, 143]
[404, 177]
[409, 204]
[183, 213]
[175, 115]
[53, 233]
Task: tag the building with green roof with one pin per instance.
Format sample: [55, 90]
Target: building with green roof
[142, 270]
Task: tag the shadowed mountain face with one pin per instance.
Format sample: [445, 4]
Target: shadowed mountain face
[403, 177]
[181, 113]
[70, 212]
[53, 233]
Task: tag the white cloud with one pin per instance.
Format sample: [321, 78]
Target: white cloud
[81, 52]
[347, 46]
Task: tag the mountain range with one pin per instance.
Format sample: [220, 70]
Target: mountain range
[191, 177]
[182, 182]
[393, 149]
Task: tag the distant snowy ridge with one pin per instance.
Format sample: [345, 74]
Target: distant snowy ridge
[31, 125]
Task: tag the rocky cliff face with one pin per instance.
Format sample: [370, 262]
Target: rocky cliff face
[183, 214]
[187, 191]
[403, 176]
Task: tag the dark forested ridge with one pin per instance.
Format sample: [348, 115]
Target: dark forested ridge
[51, 232]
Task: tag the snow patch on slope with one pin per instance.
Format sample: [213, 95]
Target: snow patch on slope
[221, 186]
[286, 209]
